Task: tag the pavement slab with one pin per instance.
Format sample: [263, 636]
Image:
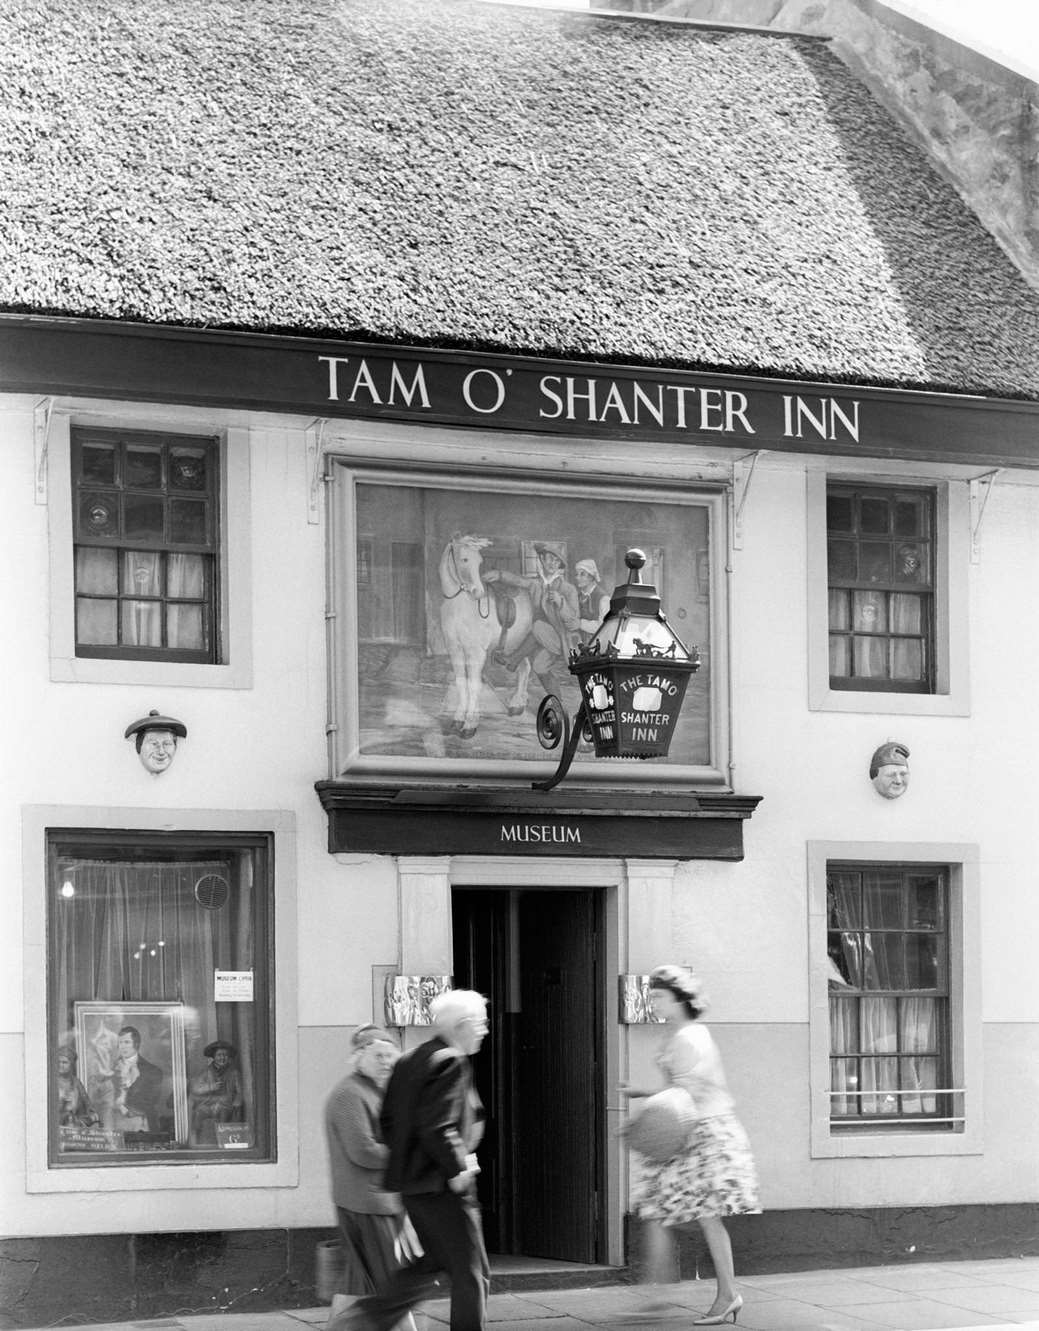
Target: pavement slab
[905, 1296]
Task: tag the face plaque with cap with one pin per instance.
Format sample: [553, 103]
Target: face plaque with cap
[156, 738]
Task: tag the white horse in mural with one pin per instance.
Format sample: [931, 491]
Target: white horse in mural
[471, 619]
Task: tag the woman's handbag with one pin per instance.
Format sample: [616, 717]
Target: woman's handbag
[664, 1125]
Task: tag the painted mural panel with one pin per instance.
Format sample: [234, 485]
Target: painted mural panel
[466, 601]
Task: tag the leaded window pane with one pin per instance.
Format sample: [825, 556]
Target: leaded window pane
[185, 626]
[97, 621]
[97, 572]
[144, 468]
[187, 522]
[143, 518]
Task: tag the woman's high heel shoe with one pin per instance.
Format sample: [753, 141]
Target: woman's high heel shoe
[727, 1314]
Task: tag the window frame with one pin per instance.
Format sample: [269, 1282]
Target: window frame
[123, 847]
[951, 695]
[830, 1139]
[233, 627]
[209, 548]
[856, 993]
[46, 1176]
[928, 633]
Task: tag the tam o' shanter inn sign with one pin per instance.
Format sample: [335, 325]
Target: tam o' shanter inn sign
[258, 372]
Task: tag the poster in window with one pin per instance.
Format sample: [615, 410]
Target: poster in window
[458, 604]
[131, 1068]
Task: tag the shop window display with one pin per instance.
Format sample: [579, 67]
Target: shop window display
[159, 982]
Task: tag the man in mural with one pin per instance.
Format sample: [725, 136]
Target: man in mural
[593, 601]
[556, 613]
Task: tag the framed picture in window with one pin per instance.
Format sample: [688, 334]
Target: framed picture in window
[455, 606]
[130, 1065]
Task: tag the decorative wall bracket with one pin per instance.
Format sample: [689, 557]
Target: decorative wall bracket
[979, 498]
[314, 435]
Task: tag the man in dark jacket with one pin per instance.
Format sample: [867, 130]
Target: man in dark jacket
[432, 1122]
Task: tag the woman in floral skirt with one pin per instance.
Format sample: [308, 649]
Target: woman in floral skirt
[714, 1175]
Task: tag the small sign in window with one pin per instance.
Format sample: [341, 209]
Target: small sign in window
[233, 986]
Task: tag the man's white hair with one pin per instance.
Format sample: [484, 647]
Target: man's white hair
[455, 1005]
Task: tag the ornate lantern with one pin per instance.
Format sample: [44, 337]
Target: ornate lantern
[633, 675]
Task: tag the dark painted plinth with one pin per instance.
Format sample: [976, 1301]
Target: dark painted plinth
[122, 1278]
[780, 1241]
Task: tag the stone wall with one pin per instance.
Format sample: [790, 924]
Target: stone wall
[977, 120]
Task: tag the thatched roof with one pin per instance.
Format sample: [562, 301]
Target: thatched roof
[469, 175]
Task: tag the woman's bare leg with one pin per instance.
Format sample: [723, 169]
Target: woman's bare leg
[720, 1248]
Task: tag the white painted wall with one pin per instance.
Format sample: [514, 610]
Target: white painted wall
[745, 926]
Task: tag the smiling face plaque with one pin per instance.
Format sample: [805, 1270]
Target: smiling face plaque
[156, 739]
[889, 770]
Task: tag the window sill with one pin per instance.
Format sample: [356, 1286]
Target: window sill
[845, 1144]
[164, 1177]
[162, 674]
[825, 699]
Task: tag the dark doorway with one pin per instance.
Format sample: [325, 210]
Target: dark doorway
[536, 954]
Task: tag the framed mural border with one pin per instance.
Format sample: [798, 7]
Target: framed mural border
[398, 614]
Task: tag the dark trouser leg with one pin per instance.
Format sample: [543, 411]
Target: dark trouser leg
[392, 1301]
[450, 1230]
[451, 1234]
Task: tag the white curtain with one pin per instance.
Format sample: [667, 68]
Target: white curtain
[185, 578]
[882, 1045]
[143, 594]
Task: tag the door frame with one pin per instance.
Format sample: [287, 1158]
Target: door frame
[637, 931]
[509, 923]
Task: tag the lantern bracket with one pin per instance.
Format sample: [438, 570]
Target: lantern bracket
[554, 727]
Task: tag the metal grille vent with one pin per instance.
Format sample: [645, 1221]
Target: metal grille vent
[212, 891]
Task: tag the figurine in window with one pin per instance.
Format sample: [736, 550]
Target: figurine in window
[215, 1096]
[889, 770]
[156, 739]
[74, 1107]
